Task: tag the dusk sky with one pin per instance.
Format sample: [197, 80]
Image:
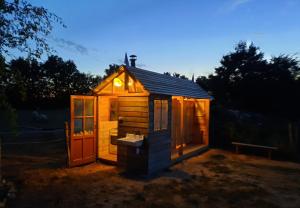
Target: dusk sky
[184, 36]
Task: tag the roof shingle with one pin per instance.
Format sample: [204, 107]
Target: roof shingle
[157, 83]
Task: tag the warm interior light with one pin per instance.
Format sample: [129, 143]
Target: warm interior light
[130, 83]
[117, 82]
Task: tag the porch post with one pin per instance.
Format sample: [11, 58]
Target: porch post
[180, 152]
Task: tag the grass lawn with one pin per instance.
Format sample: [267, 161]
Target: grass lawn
[214, 179]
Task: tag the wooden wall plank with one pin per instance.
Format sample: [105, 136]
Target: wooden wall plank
[133, 114]
[130, 99]
[133, 103]
[134, 109]
[136, 119]
[156, 148]
[134, 124]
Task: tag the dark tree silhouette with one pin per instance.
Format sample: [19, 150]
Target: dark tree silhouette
[112, 68]
[25, 27]
[247, 81]
[176, 75]
[203, 81]
[33, 84]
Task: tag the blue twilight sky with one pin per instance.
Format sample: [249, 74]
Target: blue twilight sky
[185, 36]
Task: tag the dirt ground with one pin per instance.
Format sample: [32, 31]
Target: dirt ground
[214, 179]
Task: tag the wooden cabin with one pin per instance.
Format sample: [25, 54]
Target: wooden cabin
[140, 120]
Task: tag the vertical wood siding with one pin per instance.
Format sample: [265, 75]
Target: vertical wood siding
[202, 107]
[158, 142]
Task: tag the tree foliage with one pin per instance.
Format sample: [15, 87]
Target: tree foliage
[7, 112]
[25, 27]
[176, 75]
[112, 68]
[29, 83]
[245, 80]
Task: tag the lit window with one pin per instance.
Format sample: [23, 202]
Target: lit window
[83, 114]
[131, 85]
[117, 82]
[160, 115]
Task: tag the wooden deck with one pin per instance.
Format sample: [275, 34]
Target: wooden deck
[109, 158]
[188, 151]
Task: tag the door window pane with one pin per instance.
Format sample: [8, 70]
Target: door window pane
[78, 107]
[83, 116]
[78, 126]
[89, 107]
[89, 126]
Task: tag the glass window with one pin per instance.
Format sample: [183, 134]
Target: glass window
[157, 115]
[89, 107]
[83, 116]
[131, 85]
[78, 126]
[89, 126]
[78, 107]
[164, 114]
[113, 109]
[160, 115]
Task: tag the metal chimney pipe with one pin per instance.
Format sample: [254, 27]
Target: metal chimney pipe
[132, 60]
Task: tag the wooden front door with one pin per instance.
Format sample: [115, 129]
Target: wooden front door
[83, 130]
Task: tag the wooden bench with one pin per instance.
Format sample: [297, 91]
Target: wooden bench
[269, 149]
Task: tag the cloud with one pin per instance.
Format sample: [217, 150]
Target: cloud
[70, 45]
[237, 3]
[233, 5]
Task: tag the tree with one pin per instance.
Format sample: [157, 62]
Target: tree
[7, 113]
[176, 75]
[59, 76]
[33, 84]
[16, 90]
[25, 27]
[283, 77]
[63, 79]
[203, 81]
[112, 68]
[238, 69]
[247, 81]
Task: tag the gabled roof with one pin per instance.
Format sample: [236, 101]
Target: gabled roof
[157, 83]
